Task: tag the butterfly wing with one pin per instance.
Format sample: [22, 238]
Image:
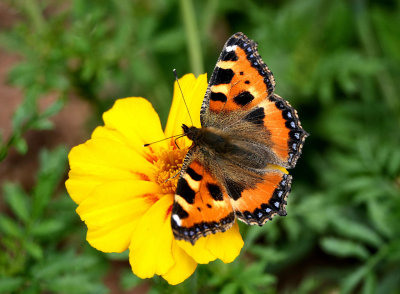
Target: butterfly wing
[261, 202]
[201, 204]
[241, 91]
[240, 102]
[242, 82]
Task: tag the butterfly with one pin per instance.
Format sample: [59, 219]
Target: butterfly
[231, 169]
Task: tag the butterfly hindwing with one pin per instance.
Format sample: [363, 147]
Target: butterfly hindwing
[283, 134]
[256, 205]
[201, 205]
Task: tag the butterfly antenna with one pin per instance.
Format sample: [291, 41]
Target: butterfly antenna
[176, 77]
[148, 144]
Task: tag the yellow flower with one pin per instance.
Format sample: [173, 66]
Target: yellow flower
[122, 191]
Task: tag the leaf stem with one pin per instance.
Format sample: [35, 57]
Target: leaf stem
[192, 36]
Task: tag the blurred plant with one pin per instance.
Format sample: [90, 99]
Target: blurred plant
[36, 253]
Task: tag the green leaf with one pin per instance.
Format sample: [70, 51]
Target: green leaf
[170, 41]
[42, 124]
[18, 201]
[52, 168]
[34, 249]
[343, 248]
[54, 265]
[10, 284]
[9, 227]
[27, 110]
[230, 288]
[351, 281]
[53, 108]
[356, 230]
[75, 284]
[20, 145]
[369, 286]
[129, 280]
[118, 256]
[47, 228]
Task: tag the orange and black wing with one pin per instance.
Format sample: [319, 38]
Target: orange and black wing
[255, 205]
[240, 79]
[241, 82]
[201, 205]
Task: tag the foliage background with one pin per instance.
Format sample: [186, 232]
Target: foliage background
[337, 62]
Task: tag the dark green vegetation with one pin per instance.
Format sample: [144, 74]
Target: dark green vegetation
[337, 62]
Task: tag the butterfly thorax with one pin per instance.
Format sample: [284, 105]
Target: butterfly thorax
[209, 138]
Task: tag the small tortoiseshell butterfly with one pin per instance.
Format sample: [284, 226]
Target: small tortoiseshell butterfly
[246, 130]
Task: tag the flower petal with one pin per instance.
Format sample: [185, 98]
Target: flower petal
[225, 246]
[136, 119]
[183, 268]
[152, 250]
[194, 90]
[112, 211]
[100, 160]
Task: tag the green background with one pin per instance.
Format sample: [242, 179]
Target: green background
[337, 62]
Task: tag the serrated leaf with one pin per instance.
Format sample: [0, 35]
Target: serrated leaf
[18, 201]
[343, 248]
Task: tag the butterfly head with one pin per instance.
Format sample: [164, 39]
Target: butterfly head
[192, 133]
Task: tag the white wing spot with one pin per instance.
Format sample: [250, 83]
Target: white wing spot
[176, 218]
[230, 48]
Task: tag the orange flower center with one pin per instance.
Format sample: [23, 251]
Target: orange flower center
[168, 163]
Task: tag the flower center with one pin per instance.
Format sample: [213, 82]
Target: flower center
[168, 164]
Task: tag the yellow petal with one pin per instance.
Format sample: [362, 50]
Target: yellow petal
[194, 90]
[183, 268]
[152, 250]
[225, 246]
[151, 245]
[112, 211]
[100, 160]
[137, 121]
[111, 134]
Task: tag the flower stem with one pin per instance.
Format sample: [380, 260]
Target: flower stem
[34, 12]
[192, 36]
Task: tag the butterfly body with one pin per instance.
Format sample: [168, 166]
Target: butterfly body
[235, 166]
